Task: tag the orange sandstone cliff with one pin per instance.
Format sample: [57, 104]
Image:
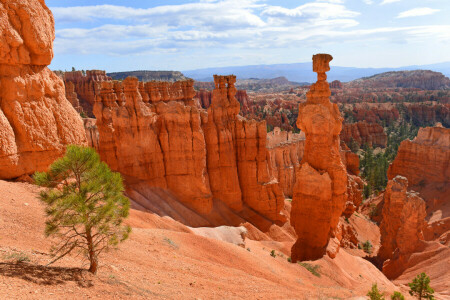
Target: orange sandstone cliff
[371, 134]
[170, 150]
[36, 120]
[402, 225]
[320, 191]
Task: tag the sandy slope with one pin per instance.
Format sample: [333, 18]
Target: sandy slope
[164, 259]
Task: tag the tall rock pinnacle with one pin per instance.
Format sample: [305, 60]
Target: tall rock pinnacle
[320, 190]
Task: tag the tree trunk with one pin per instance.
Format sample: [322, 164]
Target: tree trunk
[91, 252]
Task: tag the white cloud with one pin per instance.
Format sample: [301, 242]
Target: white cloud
[416, 12]
[389, 1]
[368, 2]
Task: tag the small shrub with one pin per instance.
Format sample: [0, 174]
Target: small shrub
[272, 253]
[420, 287]
[367, 247]
[314, 269]
[374, 293]
[18, 257]
[397, 296]
[289, 259]
[373, 210]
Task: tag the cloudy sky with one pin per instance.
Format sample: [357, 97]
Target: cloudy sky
[119, 35]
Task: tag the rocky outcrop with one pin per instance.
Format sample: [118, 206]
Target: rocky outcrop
[320, 191]
[170, 76]
[84, 87]
[36, 120]
[285, 152]
[90, 127]
[425, 162]
[204, 97]
[148, 133]
[428, 114]
[244, 100]
[237, 156]
[371, 134]
[157, 137]
[402, 225]
[336, 84]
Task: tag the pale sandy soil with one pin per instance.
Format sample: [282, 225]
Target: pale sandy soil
[163, 259]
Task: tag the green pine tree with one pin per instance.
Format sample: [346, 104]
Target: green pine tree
[85, 206]
[374, 293]
[420, 287]
[397, 296]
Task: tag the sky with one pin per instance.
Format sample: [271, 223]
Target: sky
[118, 35]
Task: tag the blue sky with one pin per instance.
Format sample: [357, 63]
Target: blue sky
[189, 34]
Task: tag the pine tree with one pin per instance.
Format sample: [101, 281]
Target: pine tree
[374, 293]
[420, 287]
[85, 206]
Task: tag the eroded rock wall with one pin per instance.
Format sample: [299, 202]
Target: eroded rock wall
[402, 225]
[371, 134]
[155, 134]
[36, 120]
[285, 152]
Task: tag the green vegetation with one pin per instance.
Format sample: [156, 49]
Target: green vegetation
[374, 293]
[397, 296]
[289, 259]
[374, 167]
[314, 269]
[85, 206]
[18, 257]
[367, 247]
[420, 287]
[272, 253]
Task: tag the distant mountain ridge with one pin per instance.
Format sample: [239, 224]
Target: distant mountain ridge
[301, 72]
[422, 79]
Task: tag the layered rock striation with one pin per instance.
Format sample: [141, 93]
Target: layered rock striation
[84, 88]
[163, 143]
[425, 162]
[402, 226]
[36, 120]
[285, 152]
[320, 191]
[371, 134]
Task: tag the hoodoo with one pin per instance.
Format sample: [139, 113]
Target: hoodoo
[320, 191]
[36, 120]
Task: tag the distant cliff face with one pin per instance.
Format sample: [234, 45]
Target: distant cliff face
[371, 134]
[36, 120]
[145, 76]
[421, 79]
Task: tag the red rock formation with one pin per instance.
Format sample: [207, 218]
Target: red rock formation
[36, 120]
[428, 114]
[86, 87]
[375, 114]
[402, 225]
[285, 152]
[165, 146]
[364, 133]
[320, 192]
[72, 96]
[205, 98]
[244, 100]
[237, 155]
[336, 84]
[425, 162]
[90, 126]
[134, 137]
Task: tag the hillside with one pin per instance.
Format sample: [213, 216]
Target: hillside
[420, 79]
[163, 259]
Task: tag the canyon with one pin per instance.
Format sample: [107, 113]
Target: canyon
[226, 198]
